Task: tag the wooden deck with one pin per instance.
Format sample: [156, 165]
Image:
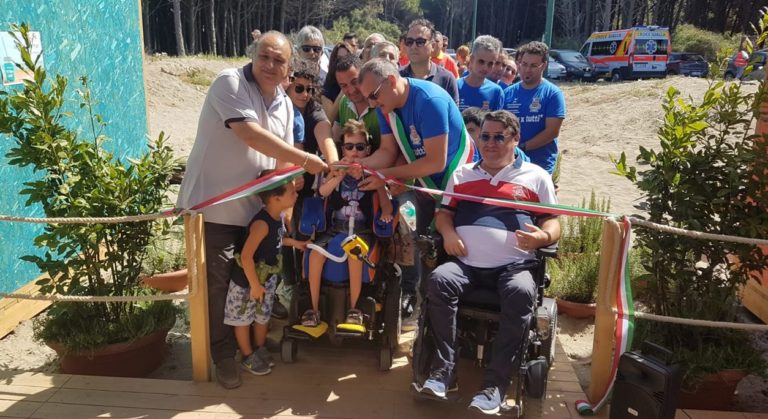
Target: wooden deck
[325, 382]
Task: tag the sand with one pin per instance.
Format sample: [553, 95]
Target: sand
[604, 119]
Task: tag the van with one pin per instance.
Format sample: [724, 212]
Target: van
[638, 52]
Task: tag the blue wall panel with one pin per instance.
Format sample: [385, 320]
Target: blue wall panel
[100, 39]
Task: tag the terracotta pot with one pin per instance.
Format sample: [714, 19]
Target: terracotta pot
[576, 310]
[126, 359]
[714, 392]
[168, 282]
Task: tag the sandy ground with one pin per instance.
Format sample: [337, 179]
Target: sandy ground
[603, 120]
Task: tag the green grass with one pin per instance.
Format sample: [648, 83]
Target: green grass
[198, 76]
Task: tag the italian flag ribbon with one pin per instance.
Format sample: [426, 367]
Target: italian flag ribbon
[465, 153]
[625, 321]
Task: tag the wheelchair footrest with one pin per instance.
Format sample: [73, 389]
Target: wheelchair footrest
[314, 332]
[351, 328]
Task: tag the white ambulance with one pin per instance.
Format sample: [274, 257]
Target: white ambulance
[638, 52]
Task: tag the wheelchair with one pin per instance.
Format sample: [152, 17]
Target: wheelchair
[379, 299]
[477, 323]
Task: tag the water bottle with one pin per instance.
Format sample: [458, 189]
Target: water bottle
[408, 212]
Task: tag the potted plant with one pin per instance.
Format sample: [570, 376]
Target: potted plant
[708, 175]
[574, 273]
[165, 266]
[74, 176]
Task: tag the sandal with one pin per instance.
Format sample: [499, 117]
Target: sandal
[310, 318]
[354, 316]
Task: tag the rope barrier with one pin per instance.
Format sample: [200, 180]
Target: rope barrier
[91, 220]
[98, 298]
[696, 234]
[699, 323]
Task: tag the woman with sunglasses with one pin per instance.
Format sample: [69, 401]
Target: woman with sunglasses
[331, 90]
[317, 132]
[310, 43]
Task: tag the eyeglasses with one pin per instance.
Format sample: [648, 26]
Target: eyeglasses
[300, 88]
[420, 42]
[357, 146]
[313, 48]
[375, 94]
[499, 138]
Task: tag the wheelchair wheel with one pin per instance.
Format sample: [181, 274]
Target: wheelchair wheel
[548, 345]
[288, 349]
[392, 316]
[385, 355]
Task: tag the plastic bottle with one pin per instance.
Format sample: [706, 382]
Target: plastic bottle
[408, 212]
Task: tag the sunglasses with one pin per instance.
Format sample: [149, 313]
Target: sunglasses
[308, 48]
[300, 88]
[499, 138]
[420, 42]
[355, 146]
[375, 94]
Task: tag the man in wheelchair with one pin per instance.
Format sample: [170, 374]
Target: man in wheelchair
[489, 246]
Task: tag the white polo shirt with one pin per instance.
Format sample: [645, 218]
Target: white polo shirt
[219, 160]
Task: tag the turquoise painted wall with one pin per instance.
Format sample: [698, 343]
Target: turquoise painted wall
[97, 38]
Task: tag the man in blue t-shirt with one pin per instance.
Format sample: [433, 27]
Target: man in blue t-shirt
[539, 104]
[475, 90]
[419, 122]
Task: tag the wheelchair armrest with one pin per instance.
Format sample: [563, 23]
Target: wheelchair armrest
[547, 251]
[386, 229]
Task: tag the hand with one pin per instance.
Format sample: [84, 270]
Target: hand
[257, 292]
[315, 164]
[396, 188]
[356, 171]
[298, 183]
[386, 216]
[453, 245]
[531, 239]
[371, 183]
[301, 245]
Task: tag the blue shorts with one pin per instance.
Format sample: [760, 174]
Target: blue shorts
[241, 310]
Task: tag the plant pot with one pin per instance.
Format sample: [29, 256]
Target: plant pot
[137, 358]
[713, 392]
[576, 310]
[169, 282]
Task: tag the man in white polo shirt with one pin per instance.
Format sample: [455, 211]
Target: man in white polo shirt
[245, 126]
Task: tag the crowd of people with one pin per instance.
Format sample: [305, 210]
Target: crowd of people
[484, 124]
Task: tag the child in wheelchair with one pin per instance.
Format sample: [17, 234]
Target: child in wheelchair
[348, 207]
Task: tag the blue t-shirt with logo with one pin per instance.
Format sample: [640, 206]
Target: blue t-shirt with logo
[533, 107]
[488, 97]
[429, 112]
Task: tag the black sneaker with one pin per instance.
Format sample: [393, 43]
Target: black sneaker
[227, 373]
[408, 305]
[279, 311]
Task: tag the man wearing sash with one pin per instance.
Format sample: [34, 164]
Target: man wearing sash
[422, 135]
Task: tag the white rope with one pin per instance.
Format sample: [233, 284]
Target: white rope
[89, 220]
[700, 323]
[321, 250]
[696, 234]
[98, 298]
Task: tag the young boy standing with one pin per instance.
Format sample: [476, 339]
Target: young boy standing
[252, 288]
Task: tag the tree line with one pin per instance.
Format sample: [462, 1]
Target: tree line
[222, 27]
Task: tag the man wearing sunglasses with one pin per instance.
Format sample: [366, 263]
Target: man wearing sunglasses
[475, 90]
[419, 44]
[539, 104]
[490, 244]
[245, 127]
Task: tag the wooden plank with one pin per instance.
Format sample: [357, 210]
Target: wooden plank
[602, 344]
[33, 379]
[75, 411]
[14, 311]
[18, 409]
[194, 234]
[755, 298]
[25, 393]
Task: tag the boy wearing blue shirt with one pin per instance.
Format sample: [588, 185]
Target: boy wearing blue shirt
[538, 104]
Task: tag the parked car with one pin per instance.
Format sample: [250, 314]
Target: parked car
[577, 67]
[511, 52]
[756, 60]
[687, 64]
[555, 70]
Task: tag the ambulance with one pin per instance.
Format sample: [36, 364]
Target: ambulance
[634, 53]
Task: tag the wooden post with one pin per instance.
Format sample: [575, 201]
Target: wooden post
[605, 319]
[198, 302]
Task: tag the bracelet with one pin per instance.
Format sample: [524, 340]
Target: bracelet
[306, 159]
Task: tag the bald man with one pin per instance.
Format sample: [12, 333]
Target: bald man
[245, 126]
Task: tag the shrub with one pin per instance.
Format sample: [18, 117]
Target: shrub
[688, 38]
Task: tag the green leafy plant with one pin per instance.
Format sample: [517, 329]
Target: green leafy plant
[708, 175]
[74, 176]
[574, 272]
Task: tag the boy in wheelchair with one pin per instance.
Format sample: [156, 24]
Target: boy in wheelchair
[490, 247]
[349, 207]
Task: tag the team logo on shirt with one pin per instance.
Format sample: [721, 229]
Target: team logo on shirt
[486, 105]
[535, 104]
[416, 143]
